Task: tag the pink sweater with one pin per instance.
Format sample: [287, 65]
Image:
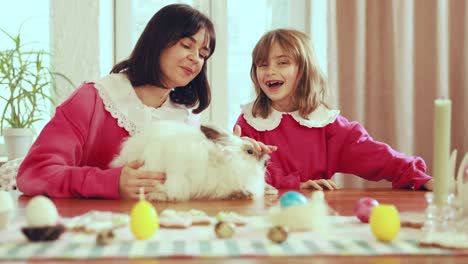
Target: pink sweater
[319, 152]
[71, 155]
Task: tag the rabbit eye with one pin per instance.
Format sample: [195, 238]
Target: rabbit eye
[250, 151]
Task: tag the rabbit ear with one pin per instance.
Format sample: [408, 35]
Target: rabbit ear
[212, 134]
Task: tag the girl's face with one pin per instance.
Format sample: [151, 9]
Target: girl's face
[277, 78]
[183, 61]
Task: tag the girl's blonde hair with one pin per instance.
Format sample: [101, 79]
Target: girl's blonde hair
[311, 83]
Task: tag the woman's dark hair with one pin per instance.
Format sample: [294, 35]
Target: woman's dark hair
[166, 28]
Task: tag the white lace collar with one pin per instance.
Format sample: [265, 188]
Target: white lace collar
[121, 101]
[321, 117]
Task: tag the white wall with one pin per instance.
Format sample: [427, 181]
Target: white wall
[77, 29]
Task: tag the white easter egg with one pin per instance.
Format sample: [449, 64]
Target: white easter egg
[41, 211]
[6, 209]
[6, 202]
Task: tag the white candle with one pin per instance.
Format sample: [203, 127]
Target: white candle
[442, 122]
[451, 171]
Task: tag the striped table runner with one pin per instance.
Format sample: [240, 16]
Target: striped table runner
[210, 248]
[345, 236]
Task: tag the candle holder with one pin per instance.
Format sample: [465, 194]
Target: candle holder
[440, 218]
[448, 216]
[445, 225]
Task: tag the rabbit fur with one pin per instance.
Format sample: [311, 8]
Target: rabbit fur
[200, 162]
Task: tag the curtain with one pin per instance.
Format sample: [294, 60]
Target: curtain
[389, 60]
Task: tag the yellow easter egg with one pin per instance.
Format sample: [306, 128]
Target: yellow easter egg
[384, 222]
[143, 220]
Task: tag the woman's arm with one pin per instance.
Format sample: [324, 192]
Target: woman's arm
[62, 163]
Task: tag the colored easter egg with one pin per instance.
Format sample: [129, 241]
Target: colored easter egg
[292, 198]
[144, 220]
[384, 222]
[363, 208]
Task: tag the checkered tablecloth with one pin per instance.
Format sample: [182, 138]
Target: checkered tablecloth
[346, 237]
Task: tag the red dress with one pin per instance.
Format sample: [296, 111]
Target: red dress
[71, 156]
[325, 144]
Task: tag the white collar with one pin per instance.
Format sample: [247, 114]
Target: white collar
[320, 117]
[121, 101]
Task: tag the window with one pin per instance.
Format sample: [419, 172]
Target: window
[34, 25]
[245, 21]
[34, 21]
[242, 37]
[130, 24]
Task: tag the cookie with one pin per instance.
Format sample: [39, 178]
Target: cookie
[412, 219]
[231, 217]
[174, 222]
[183, 219]
[445, 240]
[94, 222]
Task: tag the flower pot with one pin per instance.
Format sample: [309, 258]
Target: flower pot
[18, 141]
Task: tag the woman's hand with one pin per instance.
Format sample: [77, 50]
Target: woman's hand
[132, 179]
[319, 184]
[429, 185]
[256, 144]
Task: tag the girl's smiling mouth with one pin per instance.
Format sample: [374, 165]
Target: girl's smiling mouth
[274, 84]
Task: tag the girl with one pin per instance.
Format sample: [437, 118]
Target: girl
[314, 142]
[163, 78]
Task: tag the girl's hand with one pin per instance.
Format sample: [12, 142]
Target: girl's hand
[319, 184]
[429, 185]
[270, 190]
[132, 179]
[259, 146]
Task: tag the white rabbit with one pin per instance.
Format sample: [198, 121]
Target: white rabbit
[200, 163]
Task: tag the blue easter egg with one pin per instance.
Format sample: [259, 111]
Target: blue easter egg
[292, 198]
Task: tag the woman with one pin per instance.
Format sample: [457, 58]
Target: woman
[163, 78]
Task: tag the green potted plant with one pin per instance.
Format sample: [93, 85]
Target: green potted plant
[26, 85]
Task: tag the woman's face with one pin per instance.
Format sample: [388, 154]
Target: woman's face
[183, 61]
[277, 78]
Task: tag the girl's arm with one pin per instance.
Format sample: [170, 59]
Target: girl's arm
[352, 150]
[256, 144]
[274, 174]
[55, 165]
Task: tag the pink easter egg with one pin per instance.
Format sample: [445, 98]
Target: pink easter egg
[363, 208]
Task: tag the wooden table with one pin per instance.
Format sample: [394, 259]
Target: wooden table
[342, 201]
